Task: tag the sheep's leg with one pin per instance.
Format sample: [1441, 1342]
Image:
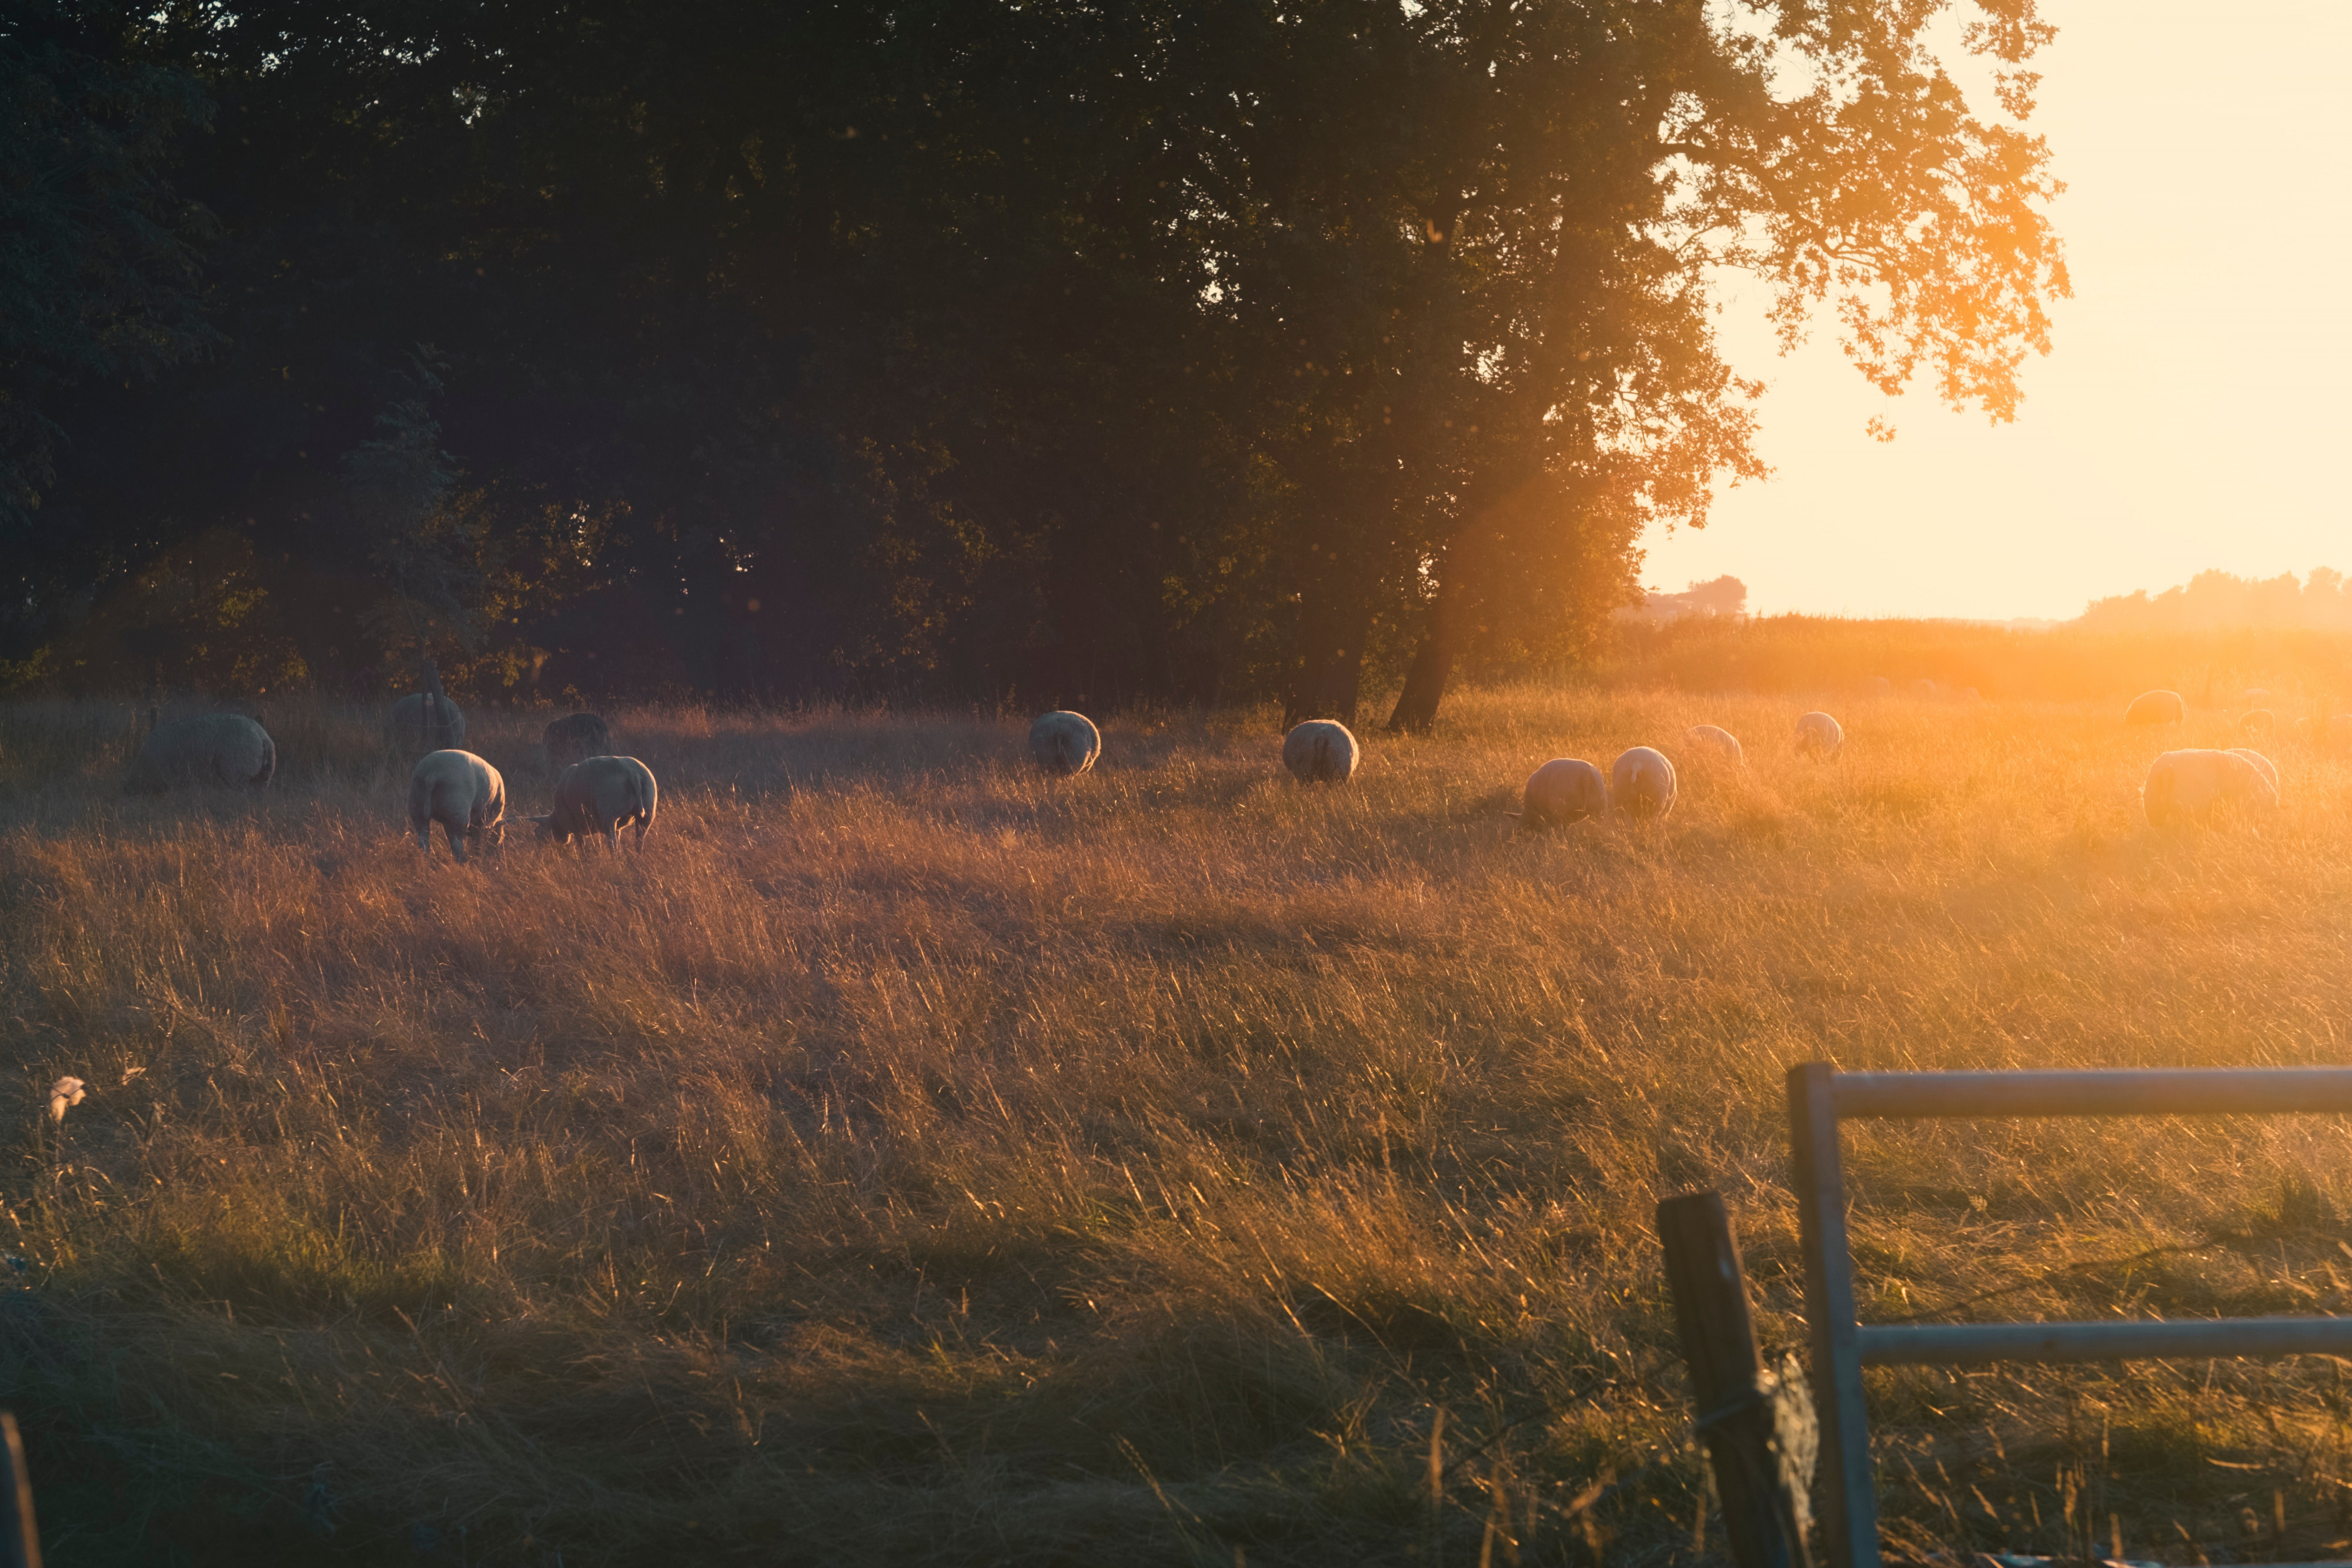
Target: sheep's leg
[457, 837]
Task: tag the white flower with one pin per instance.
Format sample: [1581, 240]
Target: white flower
[64, 1094]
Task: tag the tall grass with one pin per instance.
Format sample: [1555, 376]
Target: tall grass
[911, 1158]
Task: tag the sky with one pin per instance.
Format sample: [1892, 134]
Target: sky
[2192, 411]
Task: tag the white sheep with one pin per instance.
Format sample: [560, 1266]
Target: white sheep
[1925, 689]
[1064, 742]
[1709, 738]
[1819, 733]
[211, 749]
[2257, 724]
[2185, 787]
[2268, 769]
[575, 740]
[2156, 708]
[1321, 751]
[602, 795]
[1641, 783]
[1879, 686]
[461, 792]
[1565, 789]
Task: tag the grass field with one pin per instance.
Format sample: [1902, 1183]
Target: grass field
[910, 1159]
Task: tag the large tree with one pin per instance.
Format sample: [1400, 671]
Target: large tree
[1473, 240]
[1072, 350]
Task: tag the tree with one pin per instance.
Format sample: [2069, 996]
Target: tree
[1487, 252]
[98, 253]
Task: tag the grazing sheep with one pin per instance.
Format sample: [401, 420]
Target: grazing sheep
[1925, 689]
[212, 748]
[2257, 724]
[1641, 783]
[461, 792]
[1709, 738]
[425, 720]
[1064, 742]
[1321, 751]
[575, 740]
[2268, 769]
[1818, 732]
[1879, 686]
[599, 795]
[2253, 697]
[2185, 787]
[2155, 707]
[1565, 789]
[1971, 694]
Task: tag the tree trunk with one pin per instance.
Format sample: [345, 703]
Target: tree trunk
[1424, 680]
[1330, 665]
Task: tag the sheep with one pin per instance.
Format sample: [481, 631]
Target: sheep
[2262, 765]
[1925, 689]
[2155, 707]
[1879, 686]
[1565, 789]
[1709, 738]
[1641, 783]
[599, 795]
[2257, 724]
[461, 792]
[575, 740]
[1321, 751]
[2253, 697]
[1818, 732]
[211, 749]
[1064, 742]
[1971, 694]
[425, 720]
[2185, 787]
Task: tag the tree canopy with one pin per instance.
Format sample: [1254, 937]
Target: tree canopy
[1083, 352]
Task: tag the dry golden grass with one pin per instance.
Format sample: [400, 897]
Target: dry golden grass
[912, 1159]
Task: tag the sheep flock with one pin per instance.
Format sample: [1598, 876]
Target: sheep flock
[597, 793]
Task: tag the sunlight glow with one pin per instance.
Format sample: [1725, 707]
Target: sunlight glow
[2190, 413]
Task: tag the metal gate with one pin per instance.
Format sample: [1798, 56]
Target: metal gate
[1819, 1097]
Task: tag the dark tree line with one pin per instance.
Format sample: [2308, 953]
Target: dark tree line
[1076, 351]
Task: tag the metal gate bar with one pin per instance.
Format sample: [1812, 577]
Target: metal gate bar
[1819, 1097]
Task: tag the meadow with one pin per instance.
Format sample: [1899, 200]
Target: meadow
[908, 1158]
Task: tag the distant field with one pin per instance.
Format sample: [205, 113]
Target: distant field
[909, 1159]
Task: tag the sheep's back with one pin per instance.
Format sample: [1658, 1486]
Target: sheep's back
[1321, 751]
[1064, 742]
[208, 749]
[1565, 789]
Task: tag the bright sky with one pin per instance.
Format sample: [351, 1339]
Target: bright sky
[2192, 410]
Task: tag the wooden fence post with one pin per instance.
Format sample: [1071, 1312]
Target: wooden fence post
[1737, 1416]
[20, 1543]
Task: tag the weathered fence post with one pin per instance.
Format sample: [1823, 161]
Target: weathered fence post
[1737, 1416]
[20, 1543]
